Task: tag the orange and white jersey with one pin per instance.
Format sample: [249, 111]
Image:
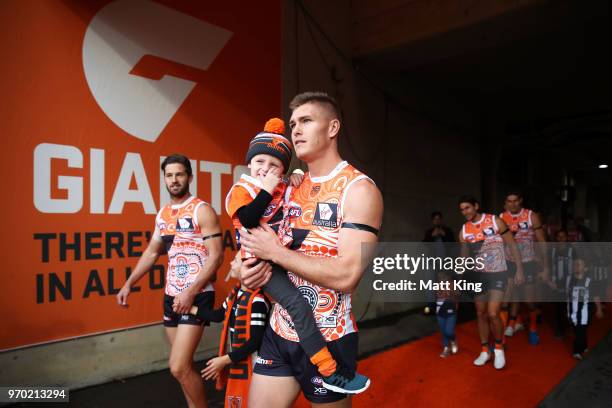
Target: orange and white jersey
[315, 211]
[244, 192]
[487, 242]
[177, 226]
[521, 225]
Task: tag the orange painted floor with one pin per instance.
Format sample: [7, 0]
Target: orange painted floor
[413, 375]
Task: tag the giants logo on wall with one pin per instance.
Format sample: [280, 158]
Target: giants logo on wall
[127, 83]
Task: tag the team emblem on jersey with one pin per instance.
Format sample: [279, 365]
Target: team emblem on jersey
[269, 210]
[310, 295]
[315, 190]
[234, 402]
[326, 215]
[184, 225]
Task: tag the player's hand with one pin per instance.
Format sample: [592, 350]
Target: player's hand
[295, 179]
[183, 302]
[599, 313]
[271, 180]
[214, 366]
[123, 295]
[263, 242]
[254, 275]
[519, 277]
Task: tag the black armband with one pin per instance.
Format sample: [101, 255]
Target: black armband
[362, 227]
[506, 230]
[218, 234]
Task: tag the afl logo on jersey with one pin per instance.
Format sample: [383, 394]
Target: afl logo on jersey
[326, 215]
[184, 225]
[310, 295]
[295, 211]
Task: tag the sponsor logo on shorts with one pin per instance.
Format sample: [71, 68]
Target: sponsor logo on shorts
[184, 317]
[318, 386]
[263, 361]
[326, 215]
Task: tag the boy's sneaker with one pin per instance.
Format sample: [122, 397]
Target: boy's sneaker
[534, 338]
[577, 356]
[500, 359]
[509, 331]
[345, 382]
[482, 358]
[454, 347]
[518, 327]
[445, 352]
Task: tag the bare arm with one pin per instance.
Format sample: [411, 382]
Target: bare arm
[209, 225]
[343, 272]
[542, 250]
[519, 278]
[145, 263]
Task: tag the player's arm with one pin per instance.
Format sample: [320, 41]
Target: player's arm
[145, 263]
[343, 272]
[506, 235]
[542, 248]
[211, 231]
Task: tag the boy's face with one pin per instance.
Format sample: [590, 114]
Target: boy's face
[579, 267]
[262, 163]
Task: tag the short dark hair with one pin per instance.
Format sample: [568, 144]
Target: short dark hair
[561, 230]
[177, 158]
[319, 97]
[468, 199]
[514, 192]
[436, 214]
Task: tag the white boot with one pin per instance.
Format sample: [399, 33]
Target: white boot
[500, 359]
[482, 358]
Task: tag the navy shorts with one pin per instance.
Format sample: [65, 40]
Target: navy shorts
[279, 357]
[530, 270]
[488, 281]
[204, 300]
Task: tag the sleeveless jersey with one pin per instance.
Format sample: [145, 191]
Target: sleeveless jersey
[484, 239]
[244, 192]
[521, 226]
[315, 211]
[179, 230]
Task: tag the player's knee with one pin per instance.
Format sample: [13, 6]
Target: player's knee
[493, 315]
[482, 314]
[179, 369]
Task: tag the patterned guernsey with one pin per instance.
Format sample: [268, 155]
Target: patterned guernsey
[243, 193]
[521, 225]
[315, 211]
[486, 242]
[177, 226]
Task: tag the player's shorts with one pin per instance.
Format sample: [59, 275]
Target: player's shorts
[488, 281]
[530, 270]
[204, 300]
[279, 357]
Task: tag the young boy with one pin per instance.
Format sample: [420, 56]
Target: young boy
[245, 312]
[446, 312]
[260, 197]
[580, 296]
